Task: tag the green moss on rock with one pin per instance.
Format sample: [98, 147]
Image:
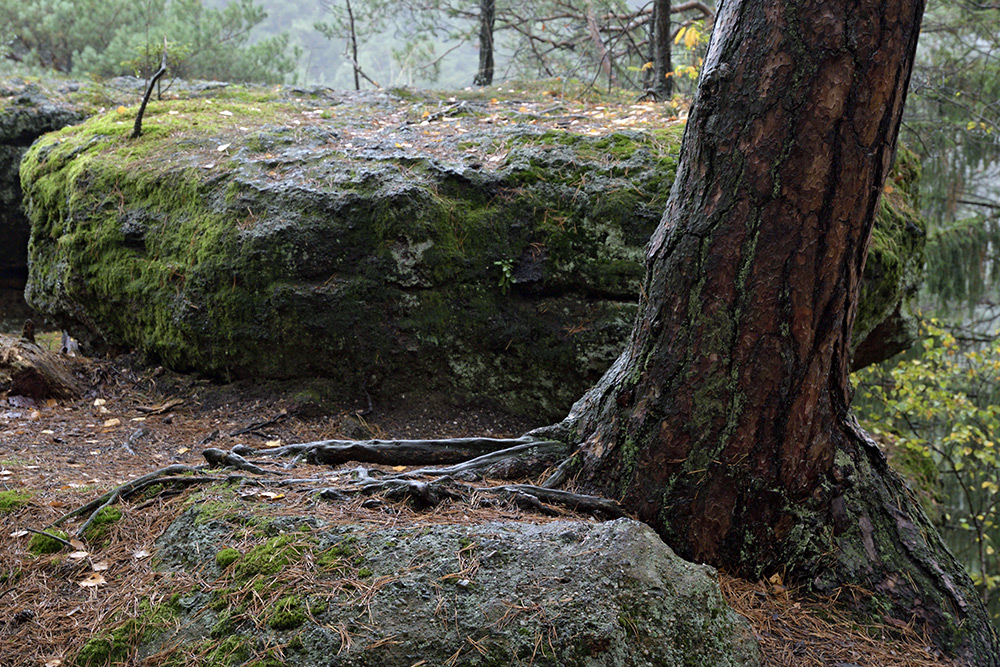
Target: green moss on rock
[40, 545]
[10, 501]
[117, 645]
[102, 522]
[287, 613]
[501, 263]
[270, 557]
[227, 557]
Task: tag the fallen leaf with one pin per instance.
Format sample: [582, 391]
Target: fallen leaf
[112, 422]
[226, 113]
[100, 566]
[223, 147]
[183, 450]
[93, 579]
[77, 555]
[54, 662]
[399, 468]
[272, 443]
[48, 431]
[98, 402]
[20, 533]
[77, 544]
[140, 554]
[51, 403]
[121, 109]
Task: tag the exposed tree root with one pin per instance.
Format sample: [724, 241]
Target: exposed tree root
[218, 458]
[472, 459]
[112, 496]
[393, 452]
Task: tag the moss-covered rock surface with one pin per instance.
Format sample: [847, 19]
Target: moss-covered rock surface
[392, 243]
[562, 593]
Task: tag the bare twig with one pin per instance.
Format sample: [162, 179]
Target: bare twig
[137, 129]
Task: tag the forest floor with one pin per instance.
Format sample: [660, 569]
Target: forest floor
[136, 419]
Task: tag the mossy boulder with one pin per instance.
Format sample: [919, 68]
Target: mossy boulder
[566, 593]
[396, 246]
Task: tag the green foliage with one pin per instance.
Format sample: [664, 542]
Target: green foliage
[953, 119]
[596, 40]
[506, 267]
[117, 37]
[940, 411]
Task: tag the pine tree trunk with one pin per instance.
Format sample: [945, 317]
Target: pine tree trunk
[662, 87]
[487, 18]
[725, 423]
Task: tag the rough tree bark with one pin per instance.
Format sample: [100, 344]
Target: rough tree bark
[725, 423]
[662, 87]
[487, 19]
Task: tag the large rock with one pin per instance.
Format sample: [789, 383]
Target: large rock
[26, 113]
[564, 593]
[393, 245]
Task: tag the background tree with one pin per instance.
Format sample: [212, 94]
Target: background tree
[725, 423]
[109, 37]
[487, 18]
[606, 40]
[953, 120]
[662, 43]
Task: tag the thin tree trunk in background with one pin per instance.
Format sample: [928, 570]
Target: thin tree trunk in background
[602, 51]
[725, 423]
[662, 87]
[354, 45]
[487, 18]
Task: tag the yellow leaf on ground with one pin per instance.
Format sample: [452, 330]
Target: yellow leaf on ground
[399, 468]
[93, 579]
[77, 555]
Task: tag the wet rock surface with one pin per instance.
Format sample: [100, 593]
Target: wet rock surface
[394, 244]
[562, 593]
